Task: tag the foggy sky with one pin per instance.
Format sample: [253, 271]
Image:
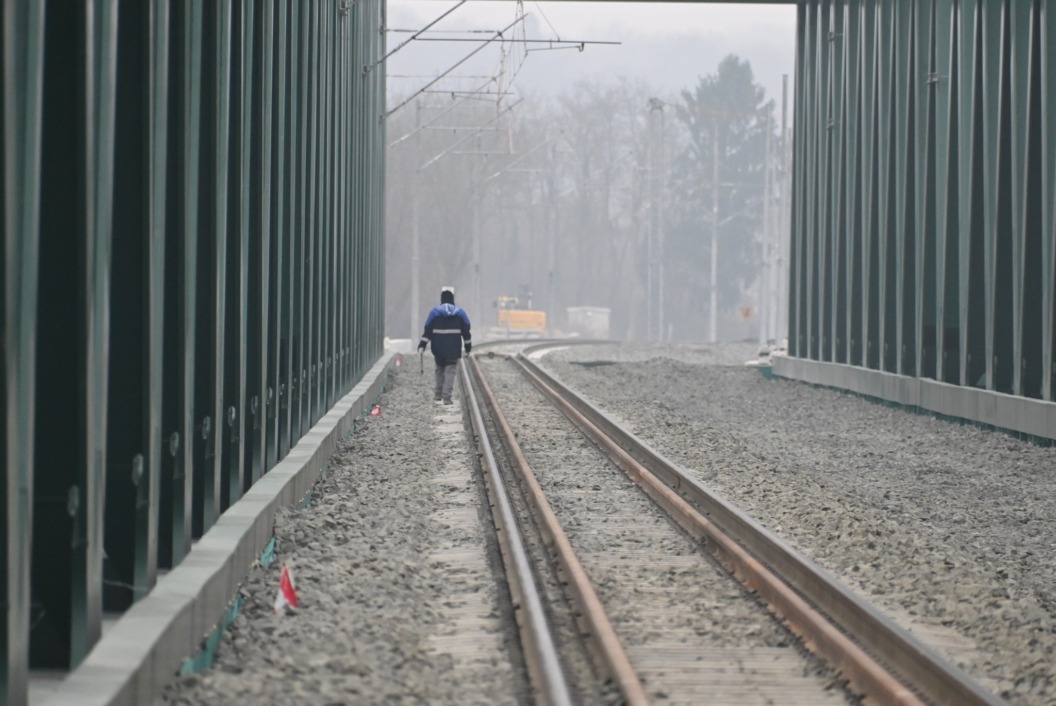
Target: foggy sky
[668, 45]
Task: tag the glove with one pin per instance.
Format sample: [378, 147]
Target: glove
[421, 347]
[469, 347]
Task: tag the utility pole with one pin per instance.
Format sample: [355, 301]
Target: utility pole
[660, 231]
[714, 308]
[477, 198]
[551, 231]
[765, 310]
[654, 249]
[784, 239]
[415, 252]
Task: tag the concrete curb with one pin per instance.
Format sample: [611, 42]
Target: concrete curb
[1010, 413]
[143, 651]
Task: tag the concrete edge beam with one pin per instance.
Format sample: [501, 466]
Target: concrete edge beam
[143, 651]
[1006, 412]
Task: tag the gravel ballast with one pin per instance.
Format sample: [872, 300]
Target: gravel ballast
[373, 603]
[694, 633]
[949, 528]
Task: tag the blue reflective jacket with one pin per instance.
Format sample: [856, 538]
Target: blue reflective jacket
[445, 328]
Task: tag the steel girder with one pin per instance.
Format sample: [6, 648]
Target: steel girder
[925, 183]
[192, 276]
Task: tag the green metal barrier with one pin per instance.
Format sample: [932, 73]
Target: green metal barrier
[924, 225]
[22, 34]
[74, 234]
[192, 271]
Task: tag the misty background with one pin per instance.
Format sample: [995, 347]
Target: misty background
[580, 159]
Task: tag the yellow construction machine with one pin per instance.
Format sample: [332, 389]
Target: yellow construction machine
[516, 320]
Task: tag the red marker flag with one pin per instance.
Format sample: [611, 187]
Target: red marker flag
[287, 594]
[375, 411]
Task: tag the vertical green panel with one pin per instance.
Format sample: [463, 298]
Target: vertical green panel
[888, 63]
[104, 50]
[362, 119]
[823, 242]
[795, 320]
[921, 306]
[838, 150]
[852, 226]
[300, 203]
[325, 203]
[314, 206]
[77, 174]
[248, 133]
[238, 235]
[289, 233]
[840, 236]
[258, 239]
[212, 270]
[347, 57]
[1006, 242]
[993, 69]
[817, 132]
[1047, 50]
[1018, 20]
[278, 273]
[969, 216]
[1030, 208]
[379, 195]
[266, 237]
[340, 172]
[795, 207]
[65, 232]
[947, 172]
[22, 45]
[134, 405]
[374, 341]
[350, 42]
[326, 262]
[158, 116]
[906, 187]
[871, 184]
[333, 293]
[174, 522]
[797, 192]
[303, 252]
[192, 172]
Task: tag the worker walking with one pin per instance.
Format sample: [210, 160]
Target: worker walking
[446, 327]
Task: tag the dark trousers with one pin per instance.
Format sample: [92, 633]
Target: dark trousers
[445, 378]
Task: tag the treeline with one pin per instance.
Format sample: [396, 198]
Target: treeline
[608, 195]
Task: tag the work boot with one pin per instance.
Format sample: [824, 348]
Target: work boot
[448, 401]
[436, 398]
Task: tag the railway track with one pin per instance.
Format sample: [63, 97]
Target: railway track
[649, 573]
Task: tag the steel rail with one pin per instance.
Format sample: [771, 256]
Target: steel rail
[881, 658]
[540, 649]
[579, 584]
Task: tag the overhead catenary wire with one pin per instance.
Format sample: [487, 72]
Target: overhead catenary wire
[597, 175]
[522, 157]
[468, 96]
[367, 69]
[498, 36]
[574, 42]
[470, 136]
